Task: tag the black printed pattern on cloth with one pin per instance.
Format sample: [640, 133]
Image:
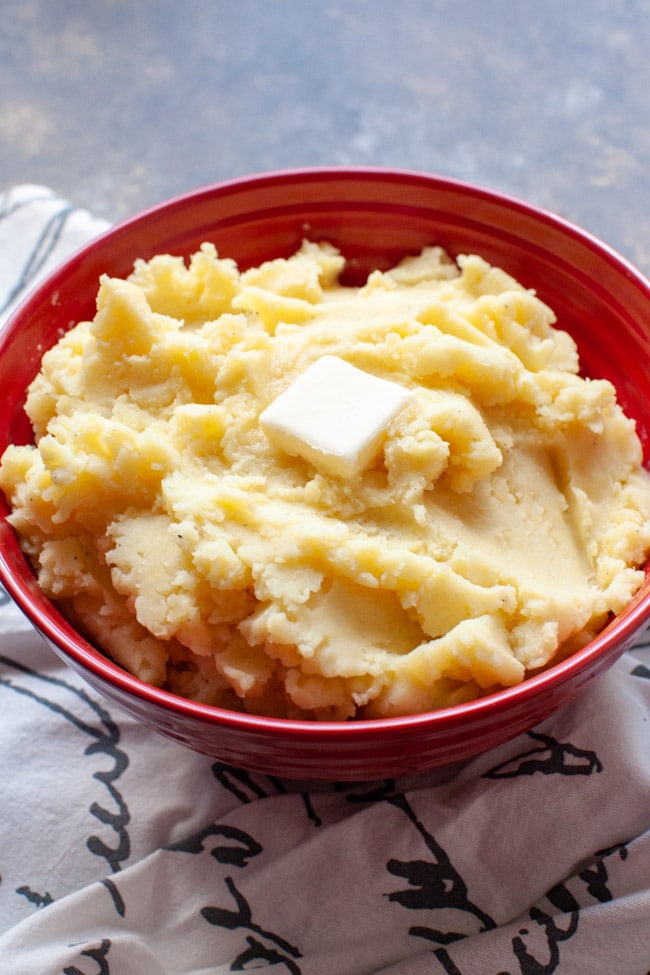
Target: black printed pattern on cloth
[548, 757]
[43, 247]
[236, 848]
[641, 670]
[56, 229]
[97, 956]
[102, 736]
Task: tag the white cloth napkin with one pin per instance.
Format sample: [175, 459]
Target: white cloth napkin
[122, 853]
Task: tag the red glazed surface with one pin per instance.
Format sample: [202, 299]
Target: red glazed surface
[375, 216]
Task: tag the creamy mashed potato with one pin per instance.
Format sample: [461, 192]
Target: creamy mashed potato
[503, 516]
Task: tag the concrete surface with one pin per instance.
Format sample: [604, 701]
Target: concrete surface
[120, 104]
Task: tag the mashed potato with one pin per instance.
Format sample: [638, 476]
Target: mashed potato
[503, 516]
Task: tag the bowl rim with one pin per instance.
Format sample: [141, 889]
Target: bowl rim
[46, 618]
[396, 175]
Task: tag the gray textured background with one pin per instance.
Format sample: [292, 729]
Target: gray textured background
[120, 104]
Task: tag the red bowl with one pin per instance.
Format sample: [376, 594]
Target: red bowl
[374, 216]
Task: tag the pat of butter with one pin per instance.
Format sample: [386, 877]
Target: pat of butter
[334, 415]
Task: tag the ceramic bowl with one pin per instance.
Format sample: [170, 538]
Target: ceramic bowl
[375, 216]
